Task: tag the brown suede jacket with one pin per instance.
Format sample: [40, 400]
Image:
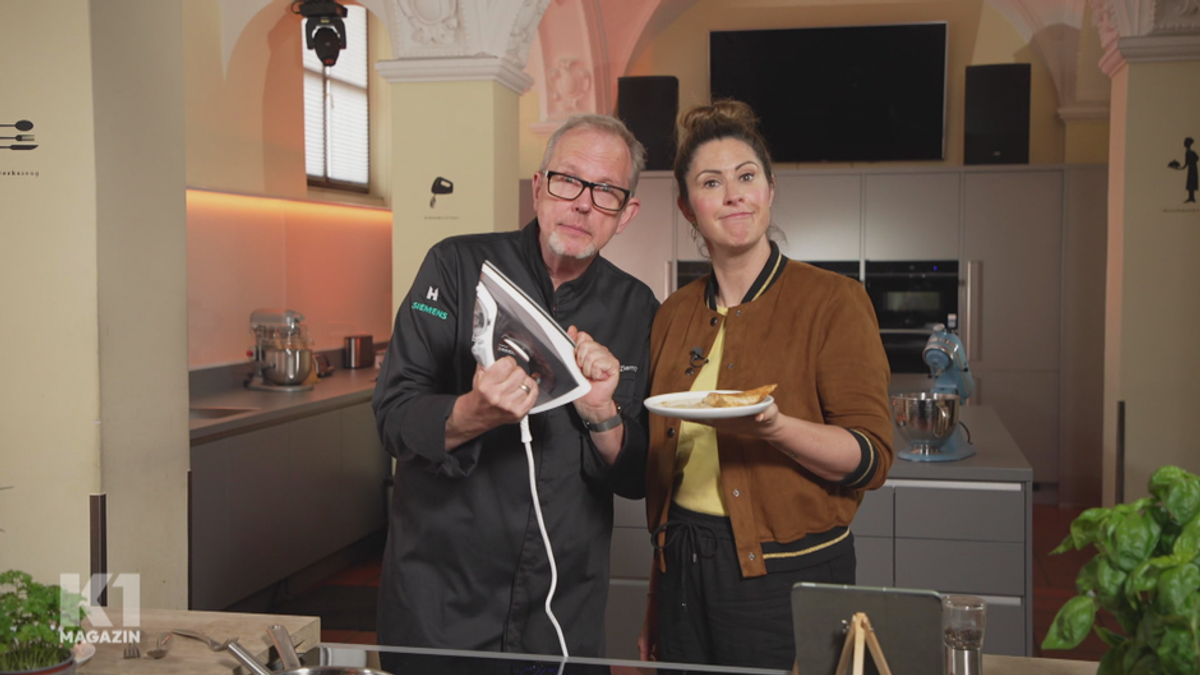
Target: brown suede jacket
[812, 332]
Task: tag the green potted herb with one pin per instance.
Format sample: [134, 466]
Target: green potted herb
[1145, 574]
[30, 637]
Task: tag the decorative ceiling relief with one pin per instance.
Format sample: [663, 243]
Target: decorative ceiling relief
[570, 84]
[1147, 30]
[593, 37]
[524, 29]
[432, 22]
[1174, 16]
[453, 40]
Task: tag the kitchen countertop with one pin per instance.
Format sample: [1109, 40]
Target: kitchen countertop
[436, 661]
[343, 388]
[996, 458]
[191, 657]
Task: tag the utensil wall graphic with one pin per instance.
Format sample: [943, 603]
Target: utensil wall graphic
[23, 141]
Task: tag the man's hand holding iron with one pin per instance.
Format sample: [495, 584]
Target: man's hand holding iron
[603, 371]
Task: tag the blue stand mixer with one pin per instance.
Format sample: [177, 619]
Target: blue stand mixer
[928, 420]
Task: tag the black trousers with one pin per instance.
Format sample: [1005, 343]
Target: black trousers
[708, 613]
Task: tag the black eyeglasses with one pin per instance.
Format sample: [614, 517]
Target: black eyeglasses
[604, 196]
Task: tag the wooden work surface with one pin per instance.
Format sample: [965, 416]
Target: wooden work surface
[1020, 665]
[192, 657]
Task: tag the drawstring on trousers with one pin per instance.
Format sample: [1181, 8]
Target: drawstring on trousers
[691, 540]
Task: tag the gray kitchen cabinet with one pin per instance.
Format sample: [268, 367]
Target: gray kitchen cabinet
[820, 216]
[1028, 402]
[911, 216]
[629, 577]
[623, 620]
[875, 560]
[269, 502]
[1011, 305]
[645, 248]
[874, 530]
[1013, 233]
[970, 537]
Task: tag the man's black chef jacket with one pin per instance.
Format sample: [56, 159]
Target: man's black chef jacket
[465, 566]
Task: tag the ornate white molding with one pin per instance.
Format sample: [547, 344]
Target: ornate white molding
[422, 29]
[461, 40]
[1146, 30]
[1160, 48]
[1177, 16]
[456, 69]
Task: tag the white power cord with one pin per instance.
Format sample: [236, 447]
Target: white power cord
[527, 439]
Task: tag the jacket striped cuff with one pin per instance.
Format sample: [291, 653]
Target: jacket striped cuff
[868, 465]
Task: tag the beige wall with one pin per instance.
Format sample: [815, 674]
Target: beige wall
[245, 123]
[463, 132]
[245, 137]
[142, 280]
[978, 35]
[96, 401]
[1154, 314]
[331, 262]
[50, 404]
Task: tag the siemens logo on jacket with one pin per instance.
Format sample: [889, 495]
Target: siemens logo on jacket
[422, 307]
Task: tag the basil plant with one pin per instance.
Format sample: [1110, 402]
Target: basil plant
[1145, 574]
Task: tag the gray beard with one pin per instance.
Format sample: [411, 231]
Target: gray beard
[556, 245]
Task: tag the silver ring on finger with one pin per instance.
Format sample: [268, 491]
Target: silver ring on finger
[525, 388]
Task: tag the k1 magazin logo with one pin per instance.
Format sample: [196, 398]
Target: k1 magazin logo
[102, 629]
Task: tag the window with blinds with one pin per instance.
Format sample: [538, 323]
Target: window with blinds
[336, 138]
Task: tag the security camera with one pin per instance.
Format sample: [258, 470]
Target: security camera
[324, 32]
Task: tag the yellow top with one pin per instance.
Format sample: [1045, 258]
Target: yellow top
[697, 465]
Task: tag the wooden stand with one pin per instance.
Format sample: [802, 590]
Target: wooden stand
[860, 632]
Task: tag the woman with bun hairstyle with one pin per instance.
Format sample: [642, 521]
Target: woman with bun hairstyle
[742, 508]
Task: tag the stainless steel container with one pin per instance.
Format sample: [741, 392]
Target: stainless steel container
[925, 419]
[358, 351]
[286, 366]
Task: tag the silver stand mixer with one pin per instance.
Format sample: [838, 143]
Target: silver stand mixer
[928, 420]
[282, 351]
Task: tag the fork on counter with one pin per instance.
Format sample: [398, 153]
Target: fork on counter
[132, 651]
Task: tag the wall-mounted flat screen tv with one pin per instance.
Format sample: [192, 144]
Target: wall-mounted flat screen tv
[847, 94]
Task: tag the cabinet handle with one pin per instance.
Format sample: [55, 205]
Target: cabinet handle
[974, 320]
[991, 486]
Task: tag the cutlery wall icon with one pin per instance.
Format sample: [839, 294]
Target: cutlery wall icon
[23, 140]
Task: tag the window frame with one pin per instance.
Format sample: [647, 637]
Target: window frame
[327, 83]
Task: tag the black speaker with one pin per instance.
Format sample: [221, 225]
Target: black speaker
[648, 106]
[996, 113]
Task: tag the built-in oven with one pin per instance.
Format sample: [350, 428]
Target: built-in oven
[846, 268]
[909, 298]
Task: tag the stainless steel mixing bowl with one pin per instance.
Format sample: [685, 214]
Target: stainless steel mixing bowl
[287, 366]
[925, 419]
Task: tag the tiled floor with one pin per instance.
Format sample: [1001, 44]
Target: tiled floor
[1053, 581]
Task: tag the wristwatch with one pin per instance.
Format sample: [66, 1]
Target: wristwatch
[605, 425]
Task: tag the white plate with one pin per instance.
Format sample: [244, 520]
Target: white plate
[84, 651]
[667, 405]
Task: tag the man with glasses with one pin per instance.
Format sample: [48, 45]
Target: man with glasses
[465, 566]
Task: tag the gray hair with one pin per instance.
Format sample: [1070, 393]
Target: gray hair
[606, 124]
